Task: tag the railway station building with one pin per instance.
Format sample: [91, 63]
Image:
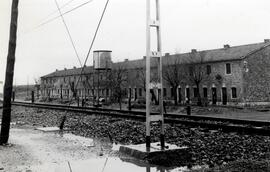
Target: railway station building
[231, 75]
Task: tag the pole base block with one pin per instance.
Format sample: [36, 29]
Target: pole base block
[172, 155]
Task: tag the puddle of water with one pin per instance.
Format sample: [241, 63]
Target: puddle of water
[104, 165]
[109, 164]
[115, 164]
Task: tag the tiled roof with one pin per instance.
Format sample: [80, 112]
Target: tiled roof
[68, 72]
[223, 54]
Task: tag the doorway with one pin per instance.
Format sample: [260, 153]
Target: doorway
[224, 95]
[187, 95]
[179, 95]
[214, 96]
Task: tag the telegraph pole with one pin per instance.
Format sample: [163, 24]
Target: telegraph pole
[6, 114]
[150, 23]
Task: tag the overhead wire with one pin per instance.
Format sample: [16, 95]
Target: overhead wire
[70, 38]
[71, 10]
[56, 11]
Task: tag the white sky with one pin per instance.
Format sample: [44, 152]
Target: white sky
[186, 24]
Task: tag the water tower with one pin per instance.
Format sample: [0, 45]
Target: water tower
[102, 61]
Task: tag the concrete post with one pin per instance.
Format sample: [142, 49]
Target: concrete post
[147, 73]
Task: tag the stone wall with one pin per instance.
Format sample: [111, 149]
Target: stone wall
[257, 77]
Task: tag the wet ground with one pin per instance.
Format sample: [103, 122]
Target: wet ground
[32, 150]
[30, 147]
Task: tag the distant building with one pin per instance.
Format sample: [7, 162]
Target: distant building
[237, 75]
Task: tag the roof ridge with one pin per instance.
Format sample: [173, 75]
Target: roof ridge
[236, 46]
[254, 51]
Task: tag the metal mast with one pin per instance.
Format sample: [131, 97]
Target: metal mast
[150, 23]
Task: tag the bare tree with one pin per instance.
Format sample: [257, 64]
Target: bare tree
[196, 71]
[37, 85]
[118, 81]
[173, 74]
[72, 89]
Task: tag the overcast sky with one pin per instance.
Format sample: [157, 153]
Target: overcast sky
[186, 25]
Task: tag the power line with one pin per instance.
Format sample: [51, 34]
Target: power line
[56, 11]
[71, 10]
[70, 38]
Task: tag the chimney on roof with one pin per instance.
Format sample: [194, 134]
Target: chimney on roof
[167, 54]
[226, 46]
[74, 67]
[126, 60]
[144, 57]
[56, 70]
[194, 51]
[65, 68]
[266, 40]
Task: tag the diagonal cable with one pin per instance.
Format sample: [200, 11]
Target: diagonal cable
[71, 40]
[92, 43]
[90, 48]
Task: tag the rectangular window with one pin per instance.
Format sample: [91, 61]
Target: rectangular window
[190, 70]
[187, 94]
[140, 91]
[135, 93]
[234, 93]
[164, 92]
[205, 92]
[195, 90]
[228, 68]
[208, 69]
[172, 92]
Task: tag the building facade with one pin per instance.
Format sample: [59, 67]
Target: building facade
[237, 75]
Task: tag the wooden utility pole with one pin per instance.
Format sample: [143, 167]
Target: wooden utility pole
[6, 114]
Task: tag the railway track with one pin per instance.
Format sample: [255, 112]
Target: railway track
[212, 123]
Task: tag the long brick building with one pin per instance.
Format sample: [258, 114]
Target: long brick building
[233, 75]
